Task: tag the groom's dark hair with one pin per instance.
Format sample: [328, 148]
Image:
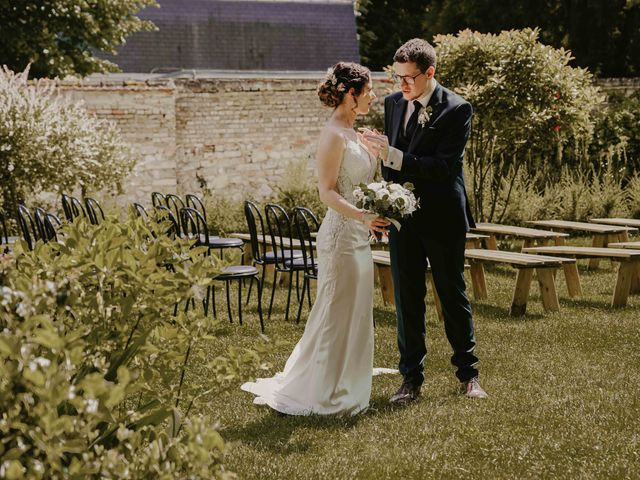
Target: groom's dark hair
[418, 51]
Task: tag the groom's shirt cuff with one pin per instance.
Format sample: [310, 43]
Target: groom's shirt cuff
[394, 159]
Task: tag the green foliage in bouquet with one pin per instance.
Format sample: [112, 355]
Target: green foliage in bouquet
[48, 143]
[387, 199]
[93, 361]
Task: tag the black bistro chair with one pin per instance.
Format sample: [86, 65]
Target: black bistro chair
[280, 233]
[72, 207]
[140, 210]
[306, 223]
[158, 199]
[176, 204]
[93, 209]
[196, 226]
[28, 228]
[4, 234]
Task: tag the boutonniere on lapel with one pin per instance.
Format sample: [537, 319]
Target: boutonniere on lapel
[425, 116]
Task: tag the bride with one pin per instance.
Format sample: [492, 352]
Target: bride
[330, 369]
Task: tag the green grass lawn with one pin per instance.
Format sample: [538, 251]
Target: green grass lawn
[564, 397]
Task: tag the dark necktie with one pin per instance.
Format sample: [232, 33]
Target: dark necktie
[412, 124]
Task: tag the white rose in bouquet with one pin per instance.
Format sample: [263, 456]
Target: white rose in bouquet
[387, 199]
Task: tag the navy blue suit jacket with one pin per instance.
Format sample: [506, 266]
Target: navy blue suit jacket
[433, 162]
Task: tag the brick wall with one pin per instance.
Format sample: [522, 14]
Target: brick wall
[234, 131]
[235, 134]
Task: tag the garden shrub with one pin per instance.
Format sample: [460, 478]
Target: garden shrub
[49, 143]
[298, 187]
[93, 362]
[528, 103]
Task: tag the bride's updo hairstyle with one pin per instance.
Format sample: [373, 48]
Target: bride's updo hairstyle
[339, 79]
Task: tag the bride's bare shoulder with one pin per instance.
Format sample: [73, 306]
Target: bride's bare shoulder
[331, 137]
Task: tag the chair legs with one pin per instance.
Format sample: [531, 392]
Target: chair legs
[273, 291]
[228, 295]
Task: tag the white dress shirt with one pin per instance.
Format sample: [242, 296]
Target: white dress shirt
[394, 159]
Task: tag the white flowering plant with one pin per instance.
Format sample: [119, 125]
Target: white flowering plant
[387, 199]
[50, 143]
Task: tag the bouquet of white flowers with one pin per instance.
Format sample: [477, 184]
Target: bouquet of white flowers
[387, 199]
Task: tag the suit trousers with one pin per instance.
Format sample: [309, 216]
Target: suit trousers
[409, 250]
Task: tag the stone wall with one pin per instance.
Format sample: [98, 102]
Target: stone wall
[233, 132]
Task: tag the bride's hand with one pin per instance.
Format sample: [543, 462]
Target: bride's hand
[375, 223]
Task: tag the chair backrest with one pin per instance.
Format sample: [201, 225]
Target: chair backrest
[4, 234]
[256, 230]
[93, 208]
[157, 199]
[27, 226]
[306, 223]
[51, 224]
[72, 207]
[38, 216]
[195, 226]
[140, 210]
[279, 228]
[194, 202]
[175, 204]
[164, 214]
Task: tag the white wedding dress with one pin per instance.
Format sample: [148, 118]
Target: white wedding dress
[330, 369]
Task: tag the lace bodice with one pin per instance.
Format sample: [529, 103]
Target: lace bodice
[357, 167]
[339, 233]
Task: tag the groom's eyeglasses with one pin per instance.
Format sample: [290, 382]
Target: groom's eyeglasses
[408, 79]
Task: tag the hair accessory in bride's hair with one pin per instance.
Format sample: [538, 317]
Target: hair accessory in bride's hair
[331, 77]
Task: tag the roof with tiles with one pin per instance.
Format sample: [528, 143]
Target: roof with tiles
[242, 35]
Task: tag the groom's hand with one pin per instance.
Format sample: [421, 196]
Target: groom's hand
[378, 141]
[391, 157]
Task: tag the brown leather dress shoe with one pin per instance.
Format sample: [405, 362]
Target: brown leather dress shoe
[407, 392]
[472, 389]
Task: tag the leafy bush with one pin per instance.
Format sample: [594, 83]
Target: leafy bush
[528, 103]
[93, 361]
[616, 140]
[49, 143]
[576, 195]
[298, 188]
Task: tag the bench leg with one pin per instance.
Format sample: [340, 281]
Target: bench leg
[492, 243]
[436, 298]
[599, 241]
[472, 243]
[624, 236]
[635, 281]
[626, 270]
[548, 289]
[247, 258]
[386, 284]
[478, 281]
[521, 292]
[573, 280]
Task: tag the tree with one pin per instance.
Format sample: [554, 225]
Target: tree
[384, 25]
[602, 34]
[60, 37]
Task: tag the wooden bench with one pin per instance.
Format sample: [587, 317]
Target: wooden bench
[622, 222]
[602, 234]
[382, 265]
[629, 264]
[531, 236]
[525, 264]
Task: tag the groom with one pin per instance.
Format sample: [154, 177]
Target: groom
[427, 127]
